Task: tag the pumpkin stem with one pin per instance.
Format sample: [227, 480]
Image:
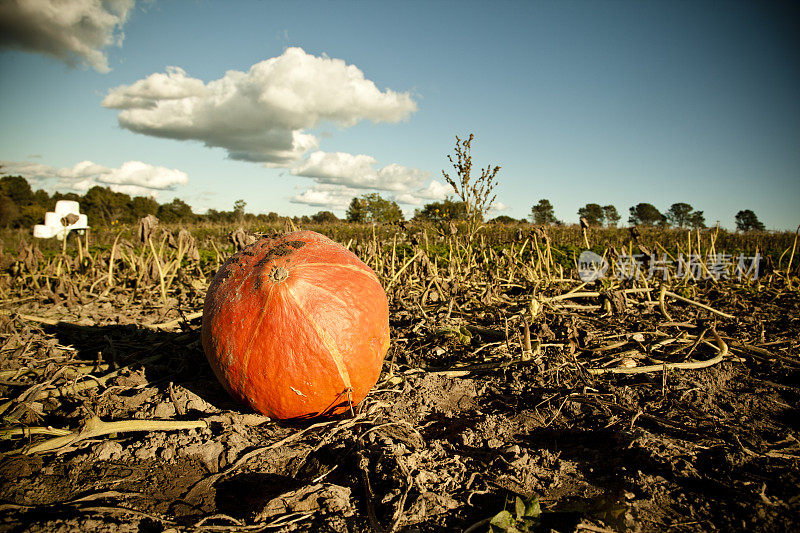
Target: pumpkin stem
[278, 274]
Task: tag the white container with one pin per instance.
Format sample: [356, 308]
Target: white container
[53, 227]
[41, 231]
[65, 207]
[52, 220]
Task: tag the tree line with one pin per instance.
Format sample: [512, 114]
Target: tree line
[679, 215]
[22, 207]
[374, 208]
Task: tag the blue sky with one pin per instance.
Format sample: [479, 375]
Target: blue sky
[606, 102]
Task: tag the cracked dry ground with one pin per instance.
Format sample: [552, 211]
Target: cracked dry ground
[437, 450]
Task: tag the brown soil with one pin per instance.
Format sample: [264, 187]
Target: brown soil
[429, 450]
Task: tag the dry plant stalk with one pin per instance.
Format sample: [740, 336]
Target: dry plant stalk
[94, 427]
[692, 365]
[476, 193]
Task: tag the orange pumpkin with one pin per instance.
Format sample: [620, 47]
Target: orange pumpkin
[296, 326]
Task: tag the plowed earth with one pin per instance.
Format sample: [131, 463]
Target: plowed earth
[434, 447]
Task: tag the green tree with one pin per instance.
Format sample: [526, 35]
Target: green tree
[543, 214]
[645, 215]
[374, 208]
[175, 211]
[102, 205]
[443, 211]
[696, 220]
[504, 219]
[140, 207]
[30, 215]
[66, 196]
[9, 211]
[593, 213]
[41, 198]
[746, 220]
[17, 188]
[678, 214]
[324, 217]
[611, 215]
[357, 210]
[238, 209]
[212, 215]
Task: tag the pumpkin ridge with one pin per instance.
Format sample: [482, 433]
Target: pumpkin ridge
[253, 335]
[334, 352]
[354, 268]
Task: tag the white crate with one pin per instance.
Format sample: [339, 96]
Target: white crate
[53, 226]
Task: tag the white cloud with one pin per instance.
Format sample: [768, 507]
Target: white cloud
[35, 173]
[84, 169]
[174, 85]
[338, 168]
[498, 206]
[435, 190]
[133, 177]
[340, 177]
[336, 196]
[325, 195]
[143, 175]
[396, 177]
[260, 115]
[357, 172]
[74, 31]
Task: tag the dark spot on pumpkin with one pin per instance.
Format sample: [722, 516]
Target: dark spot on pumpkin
[226, 270]
[281, 250]
[296, 244]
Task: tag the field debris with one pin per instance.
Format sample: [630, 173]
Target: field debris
[513, 391]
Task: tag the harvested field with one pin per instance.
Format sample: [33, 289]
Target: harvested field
[640, 404]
